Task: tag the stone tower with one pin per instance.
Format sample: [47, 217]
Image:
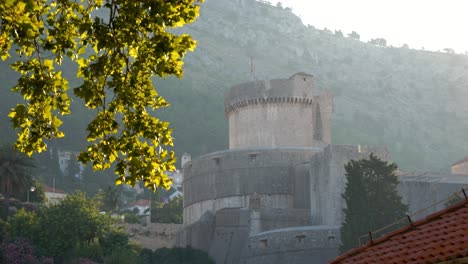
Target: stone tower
[185, 158]
[251, 204]
[279, 113]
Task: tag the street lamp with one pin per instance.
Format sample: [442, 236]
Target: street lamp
[32, 189]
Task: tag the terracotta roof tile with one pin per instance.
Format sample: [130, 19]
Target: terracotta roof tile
[52, 190]
[142, 202]
[439, 237]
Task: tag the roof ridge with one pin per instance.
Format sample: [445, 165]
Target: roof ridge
[402, 230]
[465, 159]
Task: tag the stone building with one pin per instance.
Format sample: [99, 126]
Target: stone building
[460, 167]
[275, 195]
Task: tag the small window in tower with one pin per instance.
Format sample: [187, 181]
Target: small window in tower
[253, 157]
[300, 238]
[263, 243]
[217, 160]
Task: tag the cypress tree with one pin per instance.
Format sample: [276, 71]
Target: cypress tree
[371, 197]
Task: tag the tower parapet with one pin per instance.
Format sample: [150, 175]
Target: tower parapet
[279, 113]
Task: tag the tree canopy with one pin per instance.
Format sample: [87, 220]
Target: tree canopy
[118, 46]
[371, 197]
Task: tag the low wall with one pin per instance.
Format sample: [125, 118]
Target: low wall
[423, 189]
[154, 235]
[297, 245]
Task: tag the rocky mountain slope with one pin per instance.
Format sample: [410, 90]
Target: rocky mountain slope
[414, 102]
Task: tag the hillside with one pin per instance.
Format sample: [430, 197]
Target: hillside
[414, 102]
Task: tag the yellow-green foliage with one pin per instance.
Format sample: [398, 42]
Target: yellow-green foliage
[118, 45]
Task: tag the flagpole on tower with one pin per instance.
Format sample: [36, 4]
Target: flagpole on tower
[252, 68]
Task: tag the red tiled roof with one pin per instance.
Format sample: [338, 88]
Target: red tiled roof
[439, 237]
[52, 190]
[461, 161]
[142, 202]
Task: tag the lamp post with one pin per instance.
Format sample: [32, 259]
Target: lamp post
[32, 189]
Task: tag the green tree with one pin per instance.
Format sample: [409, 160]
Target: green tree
[338, 33]
[449, 50]
[371, 197]
[15, 172]
[354, 35]
[171, 212]
[111, 199]
[23, 224]
[379, 42]
[73, 222]
[119, 46]
[177, 255]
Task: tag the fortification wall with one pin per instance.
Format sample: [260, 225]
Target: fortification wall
[303, 244]
[153, 235]
[260, 178]
[328, 180]
[461, 168]
[278, 113]
[421, 190]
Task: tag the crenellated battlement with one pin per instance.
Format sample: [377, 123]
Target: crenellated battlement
[234, 106]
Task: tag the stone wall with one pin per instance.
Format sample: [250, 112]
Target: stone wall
[154, 235]
[302, 244]
[424, 189]
[460, 168]
[234, 179]
[328, 180]
[278, 113]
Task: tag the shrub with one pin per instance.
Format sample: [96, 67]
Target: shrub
[126, 256]
[83, 261]
[132, 218]
[21, 252]
[87, 252]
[113, 240]
[178, 255]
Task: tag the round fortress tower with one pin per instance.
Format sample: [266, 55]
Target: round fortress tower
[278, 113]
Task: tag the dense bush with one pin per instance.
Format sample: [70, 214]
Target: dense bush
[171, 212]
[114, 240]
[83, 261]
[132, 218]
[71, 229]
[174, 255]
[21, 251]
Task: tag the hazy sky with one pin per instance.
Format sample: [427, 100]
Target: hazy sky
[431, 24]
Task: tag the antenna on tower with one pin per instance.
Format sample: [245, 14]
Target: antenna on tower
[252, 68]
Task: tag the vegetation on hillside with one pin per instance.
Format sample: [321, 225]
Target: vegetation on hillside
[74, 231]
[412, 101]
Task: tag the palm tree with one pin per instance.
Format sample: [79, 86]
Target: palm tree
[15, 171]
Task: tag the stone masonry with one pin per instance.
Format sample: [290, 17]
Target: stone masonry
[275, 196]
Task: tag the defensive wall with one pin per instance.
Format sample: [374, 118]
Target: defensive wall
[244, 178]
[302, 244]
[422, 190]
[327, 180]
[276, 195]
